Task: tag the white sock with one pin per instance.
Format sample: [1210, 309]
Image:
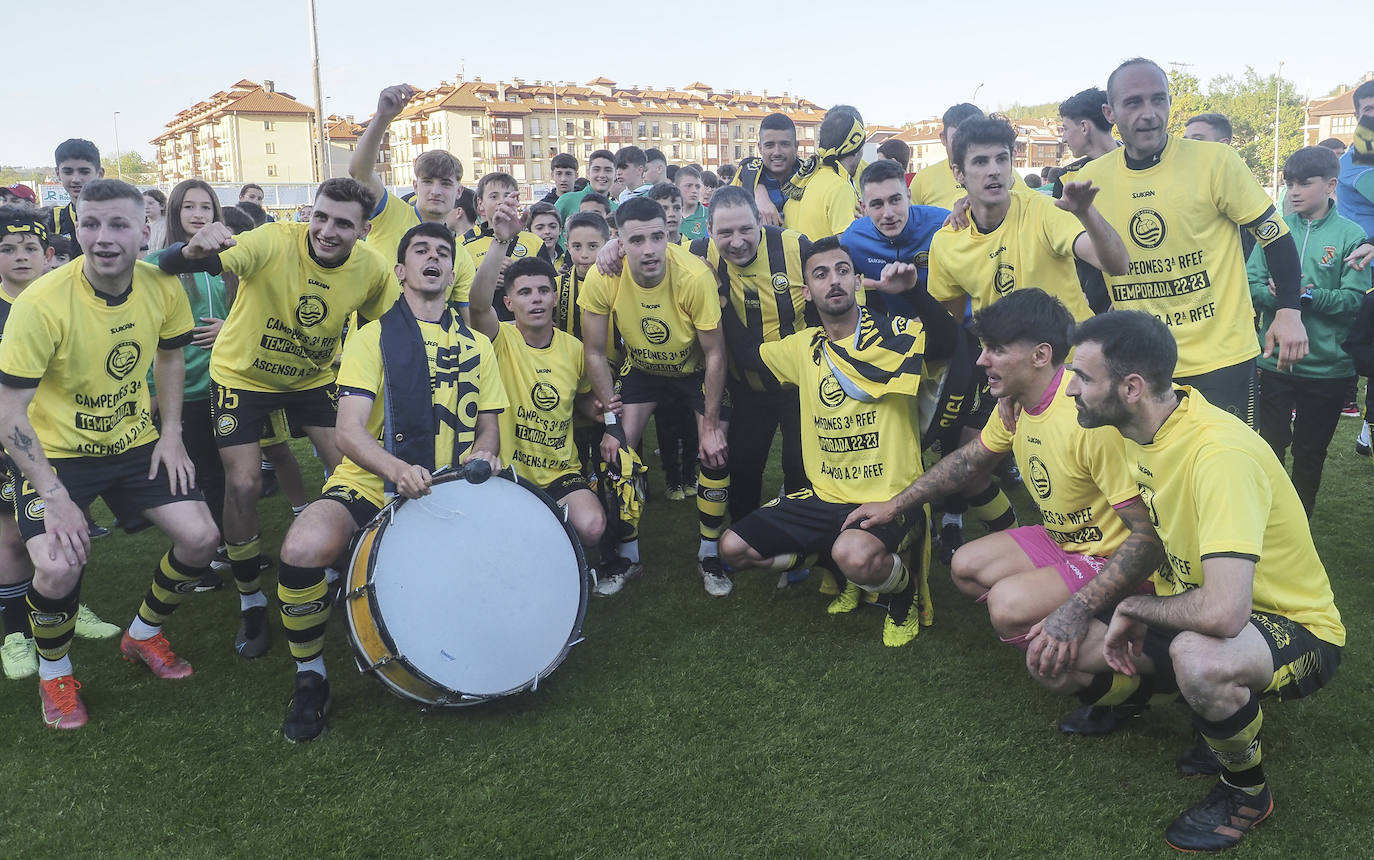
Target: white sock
[708, 548]
[953, 520]
[142, 630]
[1363, 438]
[890, 584]
[49, 670]
[315, 664]
[248, 601]
[331, 575]
[630, 550]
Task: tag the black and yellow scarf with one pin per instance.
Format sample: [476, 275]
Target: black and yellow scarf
[751, 169]
[885, 356]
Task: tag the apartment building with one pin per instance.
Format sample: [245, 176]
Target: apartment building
[248, 133]
[518, 126]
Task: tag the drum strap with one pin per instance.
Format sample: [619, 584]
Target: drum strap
[410, 423]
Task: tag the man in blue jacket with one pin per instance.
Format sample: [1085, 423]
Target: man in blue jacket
[894, 231]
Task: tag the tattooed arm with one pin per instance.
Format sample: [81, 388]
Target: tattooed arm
[1054, 642]
[948, 476]
[65, 523]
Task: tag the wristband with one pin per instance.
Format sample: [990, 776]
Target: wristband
[608, 418]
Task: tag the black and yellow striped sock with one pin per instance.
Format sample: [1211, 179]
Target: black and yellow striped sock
[53, 619]
[304, 609]
[172, 581]
[243, 560]
[14, 608]
[713, 496]
[992, 506]
[1235, 740]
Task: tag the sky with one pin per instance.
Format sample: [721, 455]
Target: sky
[897, 61]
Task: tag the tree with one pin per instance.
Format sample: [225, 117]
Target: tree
[135, 169]
[1248, 101]
[1187, 97]
[12, 175]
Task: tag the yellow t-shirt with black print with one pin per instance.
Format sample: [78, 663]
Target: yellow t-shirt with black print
[659, 324]
[1032, 247]
[88, 357]
[464, 379]
[390, 222]
[1214, 488]
[1075, 475]
[477, 241]
[542, 384]
[829, 204]
[854, 451]
[284, 327]
[1178, 219]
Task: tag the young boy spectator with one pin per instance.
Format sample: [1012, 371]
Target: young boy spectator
[709, 183]
[688, 181]
[78, 162]
[1301, 406]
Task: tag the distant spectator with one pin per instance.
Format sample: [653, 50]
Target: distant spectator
[1209, 126]
[1033, 180]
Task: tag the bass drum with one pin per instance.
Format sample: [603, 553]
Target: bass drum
[474, 592]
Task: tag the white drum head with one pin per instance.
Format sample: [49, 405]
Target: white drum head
[478, 586]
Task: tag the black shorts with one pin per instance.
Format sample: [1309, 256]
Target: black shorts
[121, 480]
[803, 524]
[242, 417]
[637, 386]
[357, 505]
[1234, 388]
[1303, 662]
[565, 484]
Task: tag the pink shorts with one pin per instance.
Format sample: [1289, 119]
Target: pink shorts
[1074, 568]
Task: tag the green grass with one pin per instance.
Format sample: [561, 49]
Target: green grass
[683, 726]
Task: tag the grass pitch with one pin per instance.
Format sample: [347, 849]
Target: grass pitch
[684, 726]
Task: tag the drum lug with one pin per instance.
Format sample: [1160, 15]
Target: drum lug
[380, 663]
[358, 592]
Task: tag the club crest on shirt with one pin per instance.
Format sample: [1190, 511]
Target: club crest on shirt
[1040, 477]
[123, 359]
[655, 330]
[1147, 228]
[780, 282]
[1147, 495]
[1004, 281]
[544, 396]
[311, 311]
[830, 392]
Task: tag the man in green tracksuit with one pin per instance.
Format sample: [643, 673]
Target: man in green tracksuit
[1301, 406]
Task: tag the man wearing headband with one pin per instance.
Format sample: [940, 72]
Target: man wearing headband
[831, 201]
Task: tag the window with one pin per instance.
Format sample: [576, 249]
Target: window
[534, 127]
[271, 149]
[625, 130]
[738, 129]
[677, 130]
[553, 150]
[655, 129]
[677, 152]
[536, 151]
[643, 127]
[753, 132]
[1343, 124]
[269, 125]
[586, 150]
[271, 170]
[476, 125]
[517, 126]
[502, 149]
[538, 173]
[570, 128]
[586, 128]
[709, 129]
[477, 149]
[738, 153]
[517, 150]
[500, 125]
[569, 100]
[687, 131]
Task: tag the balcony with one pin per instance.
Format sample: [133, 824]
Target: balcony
[419, 139]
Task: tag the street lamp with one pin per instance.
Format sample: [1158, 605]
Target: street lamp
[1278, 88]
[974, 100]
[119, 165]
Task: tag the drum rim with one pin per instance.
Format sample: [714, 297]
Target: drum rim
[458, 697]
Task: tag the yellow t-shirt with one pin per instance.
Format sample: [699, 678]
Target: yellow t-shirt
[89, 358]
[469, 384]
[392, 218]
[790, 206]
[766, 294]
[1032, 247]
[542, 384]
[1178, 219]
[935, 186]
[853, 451]
[659, 324]
[1214, 487]
[284, 327]
[476, 242]
[1075, 475]
[829, 204]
